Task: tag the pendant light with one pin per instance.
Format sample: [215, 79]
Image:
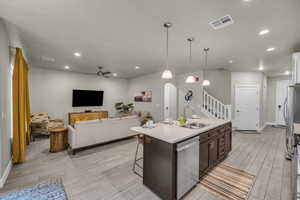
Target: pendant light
[206, 82]
[191, 78]
[167, 74]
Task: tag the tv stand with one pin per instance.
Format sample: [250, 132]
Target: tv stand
[84, 116]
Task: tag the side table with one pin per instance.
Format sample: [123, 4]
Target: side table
[58, 139]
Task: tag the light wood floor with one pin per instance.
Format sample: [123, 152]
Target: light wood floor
[105, 172]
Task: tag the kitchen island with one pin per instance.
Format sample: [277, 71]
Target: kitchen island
[175, 158]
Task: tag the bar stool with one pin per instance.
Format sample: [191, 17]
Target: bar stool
[136, 159]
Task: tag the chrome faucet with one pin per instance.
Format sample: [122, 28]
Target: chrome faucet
[187, 106]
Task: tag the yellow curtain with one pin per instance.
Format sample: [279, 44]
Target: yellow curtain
[21, 108]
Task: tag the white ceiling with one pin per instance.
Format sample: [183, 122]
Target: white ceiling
[120, 34]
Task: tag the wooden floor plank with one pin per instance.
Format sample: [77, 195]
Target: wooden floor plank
[263, 177]
[105, 172]
[275, 183]
[286, 187]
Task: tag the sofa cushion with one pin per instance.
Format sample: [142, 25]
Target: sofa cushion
[114, 118]
[56, 123]
[130, 117]
[78, 123]
[39, 123]
[86, 133]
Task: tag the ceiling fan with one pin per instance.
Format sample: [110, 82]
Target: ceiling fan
[104, 74]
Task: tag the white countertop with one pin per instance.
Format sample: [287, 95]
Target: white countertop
[174, 133]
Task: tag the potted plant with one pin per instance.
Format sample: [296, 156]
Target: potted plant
[124, 109]
[145, 118]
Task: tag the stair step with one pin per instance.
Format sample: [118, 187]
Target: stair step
[213, 107]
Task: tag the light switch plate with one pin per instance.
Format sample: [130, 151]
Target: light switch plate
[2, 115]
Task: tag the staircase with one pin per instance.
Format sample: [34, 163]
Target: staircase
[213, 107]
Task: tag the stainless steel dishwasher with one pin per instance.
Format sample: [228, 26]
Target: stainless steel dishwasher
[187, 165]
[296, 174]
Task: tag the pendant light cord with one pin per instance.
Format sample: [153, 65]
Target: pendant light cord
[206, 55]
[205, 51]
[190, 61]
[206, 58]
[190, 40]
[167, 45]
[167, 74]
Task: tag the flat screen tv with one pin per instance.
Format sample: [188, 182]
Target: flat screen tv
[82, 98]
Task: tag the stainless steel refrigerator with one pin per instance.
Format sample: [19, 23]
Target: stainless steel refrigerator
[292, 116]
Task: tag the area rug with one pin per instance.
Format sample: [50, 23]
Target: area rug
[53, 189]
[228, 182]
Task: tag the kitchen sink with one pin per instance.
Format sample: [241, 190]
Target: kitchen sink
[195, 125]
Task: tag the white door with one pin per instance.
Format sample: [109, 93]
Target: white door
[247, 107]
[281, 94]
[170, 101]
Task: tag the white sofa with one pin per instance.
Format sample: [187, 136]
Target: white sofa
[88, 133]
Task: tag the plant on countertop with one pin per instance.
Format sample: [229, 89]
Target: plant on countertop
[145, 118]
[124, 108]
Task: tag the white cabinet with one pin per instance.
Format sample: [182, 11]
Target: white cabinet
[296, 68]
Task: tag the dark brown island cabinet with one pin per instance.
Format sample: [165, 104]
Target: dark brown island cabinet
[160, 159]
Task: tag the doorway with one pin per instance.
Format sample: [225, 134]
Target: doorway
[170, 101]
[281, 95]
[247, 106]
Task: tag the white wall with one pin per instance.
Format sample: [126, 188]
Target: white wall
[155, 83]
[5, 152]
[183, 88]
[151, 82]
[51, 91]
[250, 78]
[9, 36]
[220, 84]
[264, 102]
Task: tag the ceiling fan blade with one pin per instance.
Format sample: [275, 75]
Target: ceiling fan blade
[106, 73]
[99, 73]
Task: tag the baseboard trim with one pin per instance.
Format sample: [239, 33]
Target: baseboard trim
[265, 125]
[5, 174]
[271, 123]
[262, 128]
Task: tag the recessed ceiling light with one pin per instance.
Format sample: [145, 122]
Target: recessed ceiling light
[77, 54]
[264, 32]
[230, 61]
[115, 74]
[137, 67]
[287, 72]
[67, 67]
[246, 0]
[270, 49]
[261, 68]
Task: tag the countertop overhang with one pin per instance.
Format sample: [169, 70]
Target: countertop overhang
[174, 133]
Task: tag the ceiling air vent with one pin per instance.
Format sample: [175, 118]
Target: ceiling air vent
[222, 22]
